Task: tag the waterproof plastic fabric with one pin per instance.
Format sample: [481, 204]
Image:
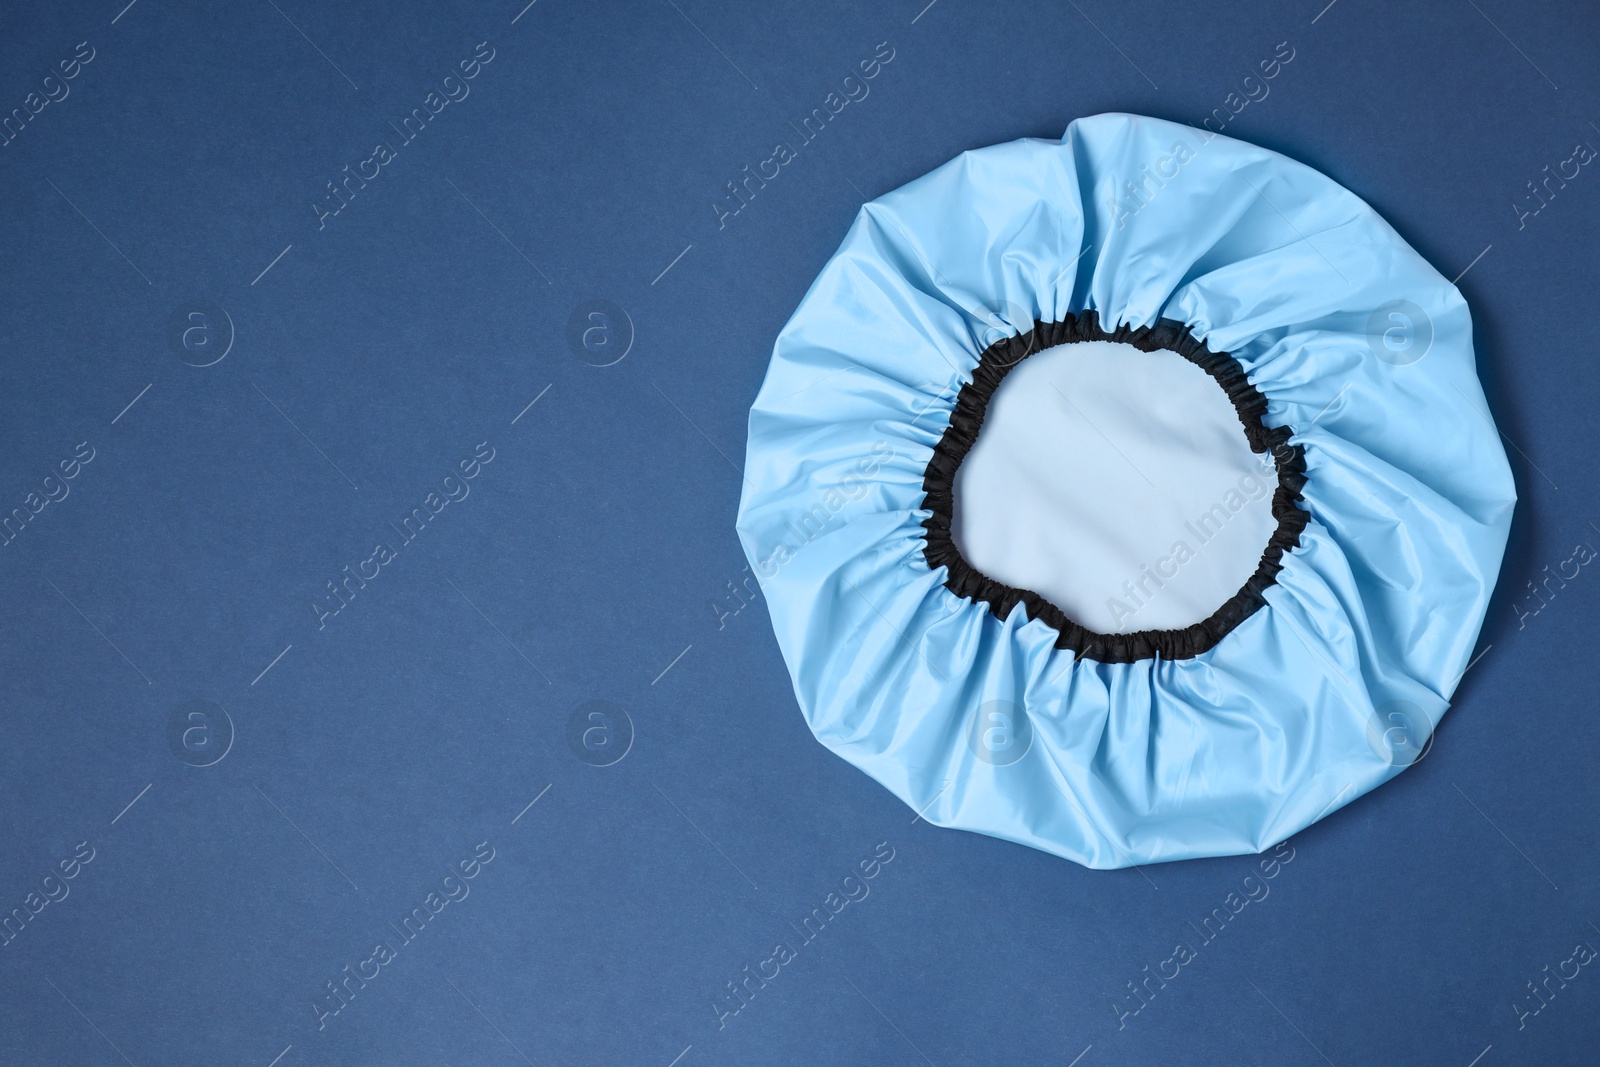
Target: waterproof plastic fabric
[1028, 501]
[1364, 355]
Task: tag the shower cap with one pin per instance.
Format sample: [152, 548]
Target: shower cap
[933, 528]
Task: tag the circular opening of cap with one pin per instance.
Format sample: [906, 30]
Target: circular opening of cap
[1121, 486]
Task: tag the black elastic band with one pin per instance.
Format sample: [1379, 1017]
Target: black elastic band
[967, 419]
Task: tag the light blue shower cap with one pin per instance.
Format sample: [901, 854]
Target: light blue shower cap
[1349, 360]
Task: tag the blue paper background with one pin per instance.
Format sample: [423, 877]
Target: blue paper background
[592, 558]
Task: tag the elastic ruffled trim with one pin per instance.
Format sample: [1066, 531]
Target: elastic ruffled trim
[966, 421]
